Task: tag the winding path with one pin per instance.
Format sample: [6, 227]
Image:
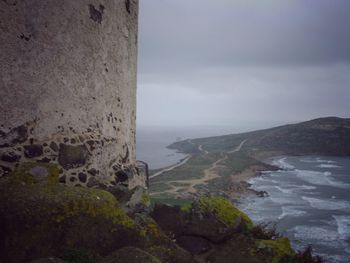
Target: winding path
[239, 147]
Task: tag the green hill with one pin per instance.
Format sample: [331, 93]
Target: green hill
[323, 136]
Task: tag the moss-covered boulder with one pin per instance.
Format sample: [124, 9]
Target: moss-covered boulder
[46, 219]
[130, 254]
[216, 219]
[199, 226]
[276, 251]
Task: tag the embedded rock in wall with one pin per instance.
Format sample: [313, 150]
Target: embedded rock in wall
[68, 89]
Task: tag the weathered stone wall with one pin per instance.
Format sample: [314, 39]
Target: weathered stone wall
[68, 88]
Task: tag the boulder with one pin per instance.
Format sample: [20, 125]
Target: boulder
[172, 219]
[275, 251]
[216, 219]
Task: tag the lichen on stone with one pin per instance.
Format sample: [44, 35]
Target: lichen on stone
[30, 173]
[44, 219]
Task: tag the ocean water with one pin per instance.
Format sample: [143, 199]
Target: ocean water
[309, 200]
[151, 148]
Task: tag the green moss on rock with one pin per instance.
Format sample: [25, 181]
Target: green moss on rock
[224, 211]
[277, 250]
[41, 220]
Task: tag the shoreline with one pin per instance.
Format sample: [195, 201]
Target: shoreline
[171, 167]
[240, 187]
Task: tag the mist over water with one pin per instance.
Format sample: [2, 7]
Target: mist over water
[310, 202]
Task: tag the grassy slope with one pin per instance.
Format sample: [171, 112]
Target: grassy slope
[324, 136]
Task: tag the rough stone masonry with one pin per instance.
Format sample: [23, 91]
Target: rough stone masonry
[68, 89]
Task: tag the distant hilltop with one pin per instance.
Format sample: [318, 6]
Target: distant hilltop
[322, 136]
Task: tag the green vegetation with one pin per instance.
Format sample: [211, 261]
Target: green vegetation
[225, 211]
[187, 208]
[146, 199]
[324, 136]
[278, 250]
[238, 162]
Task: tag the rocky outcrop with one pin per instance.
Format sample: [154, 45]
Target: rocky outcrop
[213, 230]
[212, 219]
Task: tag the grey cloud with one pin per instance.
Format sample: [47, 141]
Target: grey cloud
[229, 61]
[188, 33]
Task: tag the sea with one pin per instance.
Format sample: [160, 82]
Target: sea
[309, 201]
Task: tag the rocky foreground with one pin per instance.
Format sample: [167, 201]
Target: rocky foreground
[43, 221]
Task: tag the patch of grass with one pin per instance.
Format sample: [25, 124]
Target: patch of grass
[239, 161]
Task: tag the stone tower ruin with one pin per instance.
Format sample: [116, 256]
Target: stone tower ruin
[68, 89]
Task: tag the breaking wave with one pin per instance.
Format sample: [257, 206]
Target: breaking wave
[316, 160]
[325, 165]
[315, 233]
[343, 226]
[320, 178]
[291, 211]
[327, 204]
[282, 163]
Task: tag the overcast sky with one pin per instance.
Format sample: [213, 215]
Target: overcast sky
[227, 62]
